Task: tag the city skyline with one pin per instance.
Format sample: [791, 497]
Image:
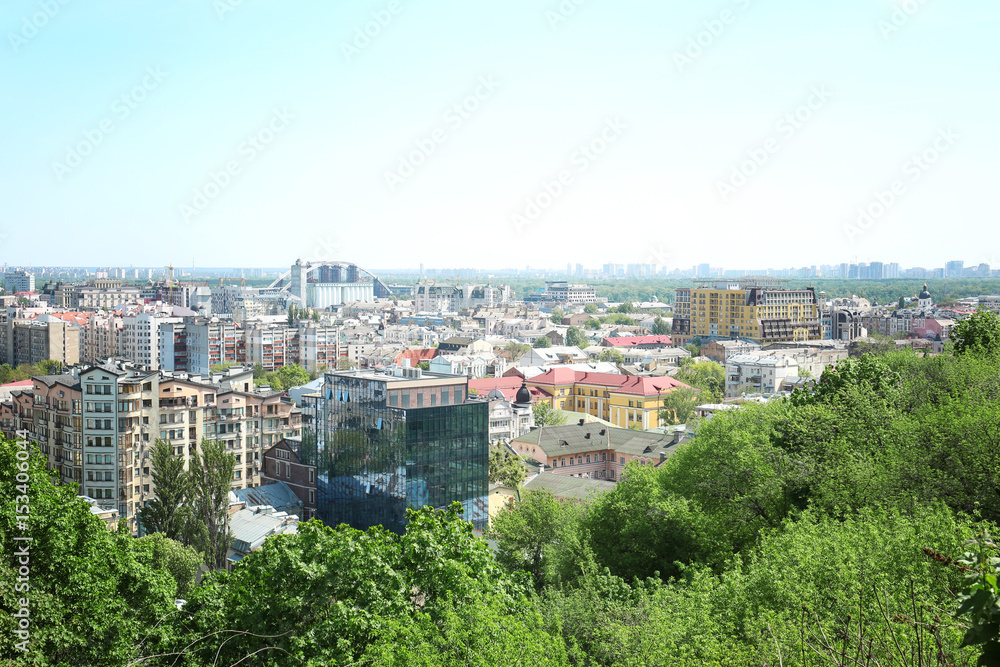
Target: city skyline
[254, 133]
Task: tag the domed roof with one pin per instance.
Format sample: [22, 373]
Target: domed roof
[523, 395]
[496, 395]
[925, 294]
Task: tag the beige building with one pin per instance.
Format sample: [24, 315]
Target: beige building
[97, 427]
[31, 341]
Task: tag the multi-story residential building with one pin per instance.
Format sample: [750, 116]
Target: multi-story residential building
[755, 373]
[623, 400]
[148, 339]
[29, 341]
[990, 303]
[272, 345]
[96, 427]
[388, 441]
[755, 311]
[320, 346]
[281, 463]
[720, 350]
[100, 338]
[592, 450]
[571, 293]
[18, 281]
[210, 342]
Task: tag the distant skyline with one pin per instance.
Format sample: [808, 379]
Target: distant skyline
[741, 133]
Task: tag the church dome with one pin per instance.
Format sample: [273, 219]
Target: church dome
[925, 294]
[523, 395]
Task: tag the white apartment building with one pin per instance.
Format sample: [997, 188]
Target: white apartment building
[18, 281]
[144, 337]
[753, 373]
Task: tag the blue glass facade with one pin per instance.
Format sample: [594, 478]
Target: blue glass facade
[375, 458]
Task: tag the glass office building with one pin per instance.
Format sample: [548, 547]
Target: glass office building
[396, 440]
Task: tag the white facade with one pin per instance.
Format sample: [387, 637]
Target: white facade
[753, 373]
[18, 281]
[325, 295]
[143, 341]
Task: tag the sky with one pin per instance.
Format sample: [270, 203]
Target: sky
[392, 133]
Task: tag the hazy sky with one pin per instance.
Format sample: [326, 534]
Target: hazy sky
[744, 133]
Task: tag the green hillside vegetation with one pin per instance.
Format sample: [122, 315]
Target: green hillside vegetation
[846, 526]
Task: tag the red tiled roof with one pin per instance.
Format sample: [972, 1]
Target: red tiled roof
[15, 385]
[624, 384]
[416, 356]
[507, 385]
[629, 341]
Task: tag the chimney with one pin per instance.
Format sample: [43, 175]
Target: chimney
[587, 436]
[663, 456]
[604, 431]
[541, 468]
[581, 422]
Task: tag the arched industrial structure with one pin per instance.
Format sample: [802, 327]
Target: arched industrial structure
[325, 284]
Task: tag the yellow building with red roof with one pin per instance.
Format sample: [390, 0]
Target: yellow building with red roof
[623, 400]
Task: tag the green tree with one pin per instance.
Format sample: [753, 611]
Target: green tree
[626, 307]
[678, 405]
[49, 367]
[708, 376]
[576, 338]
[424, 365]
[613, 355]
[593, 324]
[978, 334]
[340, 596]
[167, 513]
[557, 315]
[293, 375]
[695, 350]
[505, 467]
[73, 566]
[526, 533]
[170, 555]
[211, 479]
[590, 308]
[6, 374]
[660, 327]
[546, 416]
[516, 349]
[542, 341]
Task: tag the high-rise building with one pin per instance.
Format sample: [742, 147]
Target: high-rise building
[386, 442]
[18, 281]
[96, 427]
[954, 268]
[754, 310]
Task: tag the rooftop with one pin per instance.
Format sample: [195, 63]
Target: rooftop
[556, 441]
[624, 384]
